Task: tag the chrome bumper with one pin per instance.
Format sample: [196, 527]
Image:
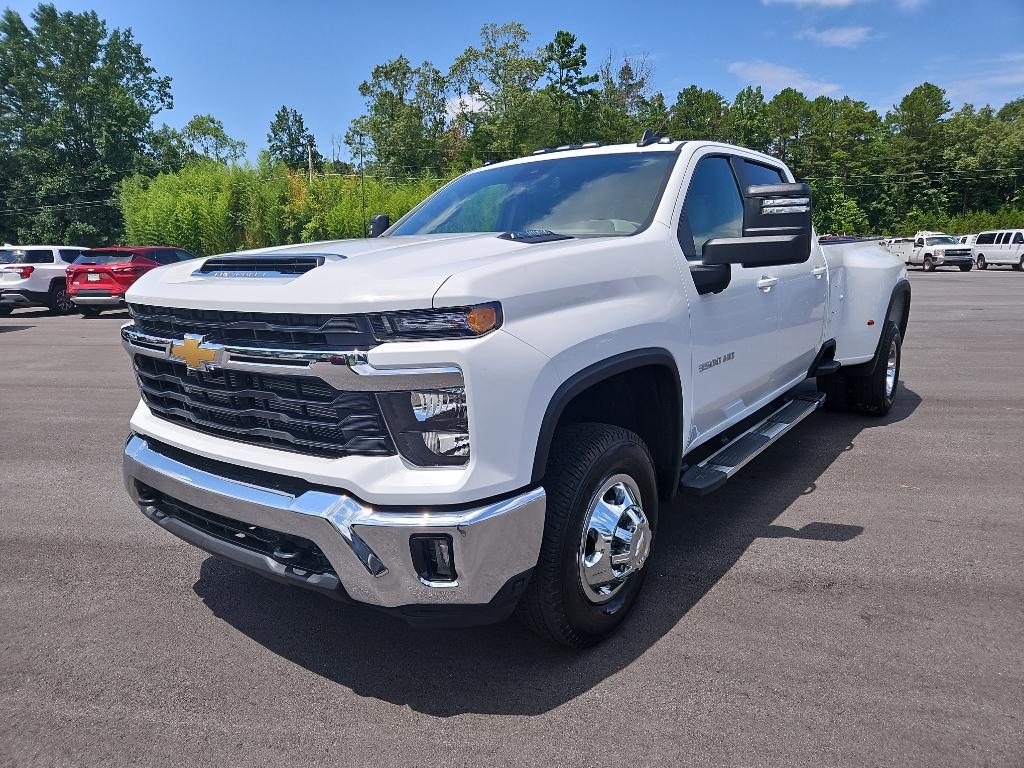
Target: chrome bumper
[368, 547]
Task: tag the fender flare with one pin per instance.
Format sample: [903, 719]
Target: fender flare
[901, 289]
[595, 374]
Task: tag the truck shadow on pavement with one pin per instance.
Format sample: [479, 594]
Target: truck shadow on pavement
[503, 669]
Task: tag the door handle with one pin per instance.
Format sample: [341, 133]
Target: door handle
[819, 271]
[765, 283]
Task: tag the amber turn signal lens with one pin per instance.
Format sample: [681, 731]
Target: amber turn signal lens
[482, 319]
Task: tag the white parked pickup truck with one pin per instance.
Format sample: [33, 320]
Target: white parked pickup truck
[484, 409]
[930, 250]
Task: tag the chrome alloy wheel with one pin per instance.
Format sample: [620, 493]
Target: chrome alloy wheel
[890, 369]
[616, 539]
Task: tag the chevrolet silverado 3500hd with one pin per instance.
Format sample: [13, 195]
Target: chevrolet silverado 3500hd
[482, 410]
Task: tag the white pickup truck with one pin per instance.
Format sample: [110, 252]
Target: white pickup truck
[483, 410]
[931, 250]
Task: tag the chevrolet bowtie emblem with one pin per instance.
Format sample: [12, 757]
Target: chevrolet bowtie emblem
[193, 353]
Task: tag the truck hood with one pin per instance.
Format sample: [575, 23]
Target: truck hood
[386, 273]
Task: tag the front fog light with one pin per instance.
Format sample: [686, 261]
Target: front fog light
[430, 427]
[433, 557]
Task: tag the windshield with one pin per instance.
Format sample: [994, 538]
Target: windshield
[945, 240]
[588, 195]
[107, 257]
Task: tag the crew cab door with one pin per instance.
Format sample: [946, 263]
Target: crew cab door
[802, 293]
[733, 331]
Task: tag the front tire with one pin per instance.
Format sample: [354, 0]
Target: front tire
[601, 520]
[966, 267]
[874, 393]
[982, 264]
[929, 265]
[1019, 266]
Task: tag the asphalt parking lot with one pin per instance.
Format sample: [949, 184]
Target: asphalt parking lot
[854, 597]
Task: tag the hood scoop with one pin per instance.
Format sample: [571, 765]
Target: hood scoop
[264, 265]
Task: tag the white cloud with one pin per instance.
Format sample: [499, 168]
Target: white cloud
[774, 77]
[836, 37]
[465, 103]
[910, 5]
[992, 80]
[816, 3]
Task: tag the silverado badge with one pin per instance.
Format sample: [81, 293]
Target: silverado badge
[193, 353]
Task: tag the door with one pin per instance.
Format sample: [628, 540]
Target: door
[733, 331]
[1017, 248]
[802, 292]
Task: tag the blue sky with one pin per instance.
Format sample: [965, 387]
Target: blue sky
[240, 61]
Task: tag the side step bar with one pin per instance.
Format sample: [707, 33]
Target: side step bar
[711, 474]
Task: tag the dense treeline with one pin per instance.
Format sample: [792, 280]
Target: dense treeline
[80, 158]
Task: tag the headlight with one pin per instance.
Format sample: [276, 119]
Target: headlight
[447, 323]
[430, 427]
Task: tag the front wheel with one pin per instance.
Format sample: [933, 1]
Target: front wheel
[929, 265]
[873, 394]
[1019, 266]
[602, 513]
[982, 264]
[966, 267]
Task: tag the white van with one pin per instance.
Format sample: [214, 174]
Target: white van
[1002, 246]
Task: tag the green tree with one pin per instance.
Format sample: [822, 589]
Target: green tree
[207, 138]
[290, 142]
[748, 122]
[403, 132]
[76, 110]
[698, 114]
[565, 63]
[496, 83]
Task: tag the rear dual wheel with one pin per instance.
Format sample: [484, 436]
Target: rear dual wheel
[600, 523]
[874, 393]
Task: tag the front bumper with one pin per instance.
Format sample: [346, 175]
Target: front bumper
[495, 544]
[952, 261]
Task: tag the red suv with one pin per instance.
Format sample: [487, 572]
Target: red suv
[99, 277]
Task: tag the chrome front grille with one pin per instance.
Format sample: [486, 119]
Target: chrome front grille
[289, 412]
[267, 330]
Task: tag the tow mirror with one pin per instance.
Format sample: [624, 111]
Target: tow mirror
[776, 229]
[379, 224]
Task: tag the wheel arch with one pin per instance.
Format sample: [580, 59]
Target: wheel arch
[595, 393]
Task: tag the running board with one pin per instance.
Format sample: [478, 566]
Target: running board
[711, 474]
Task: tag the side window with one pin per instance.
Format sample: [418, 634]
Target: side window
[38, 257]
[185, 255]
[1018, 238]
[1004, 237]
[755, 173]
[164, 257]
[69, 255]
[985, 238]
[713, 207]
